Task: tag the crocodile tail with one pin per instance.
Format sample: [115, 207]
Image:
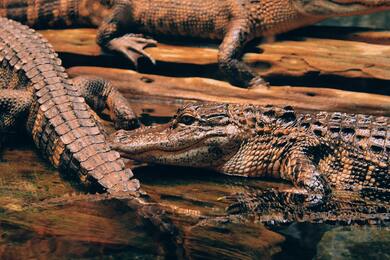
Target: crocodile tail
[54, 13]
[62, 125]
[60, 122]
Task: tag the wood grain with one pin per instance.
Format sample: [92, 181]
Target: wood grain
[149, 89]
[295, 57]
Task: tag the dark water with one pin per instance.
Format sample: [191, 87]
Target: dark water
[30, 228]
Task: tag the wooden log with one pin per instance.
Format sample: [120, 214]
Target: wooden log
[150, 90]
[378, 37]
[299, 57]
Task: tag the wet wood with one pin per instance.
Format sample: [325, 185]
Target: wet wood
[145, 90]
[378, 37]
[289, 57]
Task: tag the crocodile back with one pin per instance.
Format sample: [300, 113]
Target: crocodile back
[365, 132]
[59, 120]
[369, 133]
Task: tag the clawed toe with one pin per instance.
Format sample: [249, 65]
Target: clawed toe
[258, 82]
[123, 116]
[132, 46]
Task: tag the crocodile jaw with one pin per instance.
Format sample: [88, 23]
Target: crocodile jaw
[185, 147]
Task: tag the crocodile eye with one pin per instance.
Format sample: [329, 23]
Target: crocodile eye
[187, 120]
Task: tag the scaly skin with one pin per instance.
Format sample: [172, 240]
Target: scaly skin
[36, 90]
[35, 93]
[235, 22]
[55, 13]
[321, 154]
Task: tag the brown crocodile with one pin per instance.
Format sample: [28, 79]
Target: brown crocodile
[326, 156]
[36, 90]
[37, 95]
[235, 22]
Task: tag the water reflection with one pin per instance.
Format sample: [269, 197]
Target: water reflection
[109, 229]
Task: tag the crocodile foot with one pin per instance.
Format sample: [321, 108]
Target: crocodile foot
[124, 117]
[132, 46]
[100, 94]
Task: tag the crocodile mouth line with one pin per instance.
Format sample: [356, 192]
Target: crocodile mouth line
[359, 3]
[170, 151]
[161, 151]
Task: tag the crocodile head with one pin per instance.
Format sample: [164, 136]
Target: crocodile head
[228, 138]
[199, 135]
[330, 8]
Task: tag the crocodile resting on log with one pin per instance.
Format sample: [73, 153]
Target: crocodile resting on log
[36, 94]
[235, 22]
[337, 162]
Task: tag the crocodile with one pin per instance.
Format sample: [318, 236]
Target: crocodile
[37, 96]
[334, 160]
[234, 22]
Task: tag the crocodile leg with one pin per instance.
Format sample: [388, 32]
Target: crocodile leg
[99, 94]
[13, 103]
[309, 192]
[230, 53]
[300, 169]
[110, 36]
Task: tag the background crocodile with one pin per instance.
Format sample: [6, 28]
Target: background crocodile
[235, 22]
[336, 161]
